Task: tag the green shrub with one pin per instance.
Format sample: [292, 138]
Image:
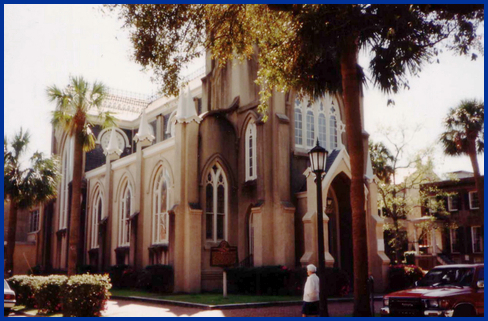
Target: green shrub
[24, 287]
[83, 269]
[123, 276]
[85, 295]
[402, 276]
[156, 278]
[280, 280]
[48, 293]
[410, 257]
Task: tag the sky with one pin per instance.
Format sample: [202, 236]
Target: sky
[45, 44]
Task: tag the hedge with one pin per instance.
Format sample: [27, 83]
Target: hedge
[80, 295]
[24, 287]
[47, 293]
[280, 280]
[154, 278]
[403, 276]
[86, 295]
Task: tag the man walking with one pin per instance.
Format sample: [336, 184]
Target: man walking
[311, 293]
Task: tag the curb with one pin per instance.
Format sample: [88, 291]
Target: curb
[227, 306]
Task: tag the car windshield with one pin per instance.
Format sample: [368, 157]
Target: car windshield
[5, 285]
[448, 276]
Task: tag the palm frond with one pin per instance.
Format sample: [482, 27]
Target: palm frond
[462, 123]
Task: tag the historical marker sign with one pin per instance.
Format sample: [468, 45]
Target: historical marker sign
[223, 255]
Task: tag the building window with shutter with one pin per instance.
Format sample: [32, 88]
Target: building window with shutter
[477, 239]
[453, 203]
[455, 239]
[474, 202]
[34, 221]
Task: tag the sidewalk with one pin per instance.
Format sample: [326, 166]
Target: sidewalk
[132, 308]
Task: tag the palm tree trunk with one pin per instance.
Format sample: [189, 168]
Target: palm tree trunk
[74, 228]
[12, 229]
[351, 94]
[476, 170]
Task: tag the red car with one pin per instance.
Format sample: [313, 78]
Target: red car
[447, 290]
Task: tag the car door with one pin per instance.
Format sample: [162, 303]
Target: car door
[479, 293]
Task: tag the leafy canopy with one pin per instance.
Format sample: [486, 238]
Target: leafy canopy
[299, 46]
[462, 123]
[27, 186]
[74, 106]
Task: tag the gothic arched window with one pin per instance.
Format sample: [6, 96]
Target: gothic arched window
[333, 132]
[251, 154]
[216, 204]
[310, 128]
[97, 214]
[125, 211]
[161, 206]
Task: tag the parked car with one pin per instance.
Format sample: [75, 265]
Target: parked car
[8, 298]
[447, 290]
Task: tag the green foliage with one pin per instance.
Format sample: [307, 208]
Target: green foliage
[156, 278]
[47, 294]
[381, 161]
[280, 280]
[80, 295]
[412, 196]
[74, 109]
[403, 276]
[409, 257]
[299, 46]
[28, 186]
[462, 124]
[86, 295]
[24, 288]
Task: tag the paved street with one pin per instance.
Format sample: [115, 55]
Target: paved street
[123, 308]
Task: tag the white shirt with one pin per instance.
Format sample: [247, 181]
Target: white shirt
[312, 289]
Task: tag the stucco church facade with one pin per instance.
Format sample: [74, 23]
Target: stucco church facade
[178, 175]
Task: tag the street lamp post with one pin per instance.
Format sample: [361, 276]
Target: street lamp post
[318, 160]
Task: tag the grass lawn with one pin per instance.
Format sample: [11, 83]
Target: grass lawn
[33, 312]
[207, 298]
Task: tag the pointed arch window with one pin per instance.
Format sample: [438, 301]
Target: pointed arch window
[97, 214]
[298, 124]
[333, 132]
[251, 153]
[310, 128]
[322, 121]
[161, 207]
[67, 176]
[322, 130]
[216, 204]
[125, 211]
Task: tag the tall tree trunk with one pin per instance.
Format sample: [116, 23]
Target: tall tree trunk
[351, 94]
[476, 170]
[12, 229]
[74, 228]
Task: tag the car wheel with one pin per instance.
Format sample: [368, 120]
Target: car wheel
[464, 311]
[6, 312]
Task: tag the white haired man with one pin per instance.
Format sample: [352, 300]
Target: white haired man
[311, 293]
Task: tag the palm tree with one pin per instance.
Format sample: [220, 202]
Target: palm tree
[73, 114]
[25, 187]
[464, 135]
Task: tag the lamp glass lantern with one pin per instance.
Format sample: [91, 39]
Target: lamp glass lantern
[318, 158]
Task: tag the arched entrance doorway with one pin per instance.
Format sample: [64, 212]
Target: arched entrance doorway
[338, 209]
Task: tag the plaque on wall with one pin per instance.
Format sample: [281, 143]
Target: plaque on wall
[223, 255]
